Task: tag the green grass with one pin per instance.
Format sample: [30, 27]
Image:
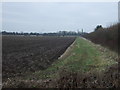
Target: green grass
[83, 57]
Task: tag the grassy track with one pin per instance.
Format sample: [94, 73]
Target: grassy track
[84, 56]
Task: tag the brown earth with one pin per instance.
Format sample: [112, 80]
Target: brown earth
[21, 54]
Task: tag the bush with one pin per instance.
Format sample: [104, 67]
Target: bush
[107, 37]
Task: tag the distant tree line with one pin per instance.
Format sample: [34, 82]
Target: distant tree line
[59, 33]
[18, 33]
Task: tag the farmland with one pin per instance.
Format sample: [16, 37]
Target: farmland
[85, 65]
[23, 54]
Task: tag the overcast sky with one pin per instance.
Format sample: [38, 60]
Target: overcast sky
[54, 16]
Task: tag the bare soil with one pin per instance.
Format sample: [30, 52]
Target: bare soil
[21, 54]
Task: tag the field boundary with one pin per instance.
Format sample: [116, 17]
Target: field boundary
[67, 51]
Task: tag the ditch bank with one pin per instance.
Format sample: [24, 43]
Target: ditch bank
[67, 51]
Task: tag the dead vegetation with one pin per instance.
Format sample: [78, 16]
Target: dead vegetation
[107, 37]
[108, 79]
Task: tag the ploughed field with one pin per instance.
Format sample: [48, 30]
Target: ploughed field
[22, 54]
